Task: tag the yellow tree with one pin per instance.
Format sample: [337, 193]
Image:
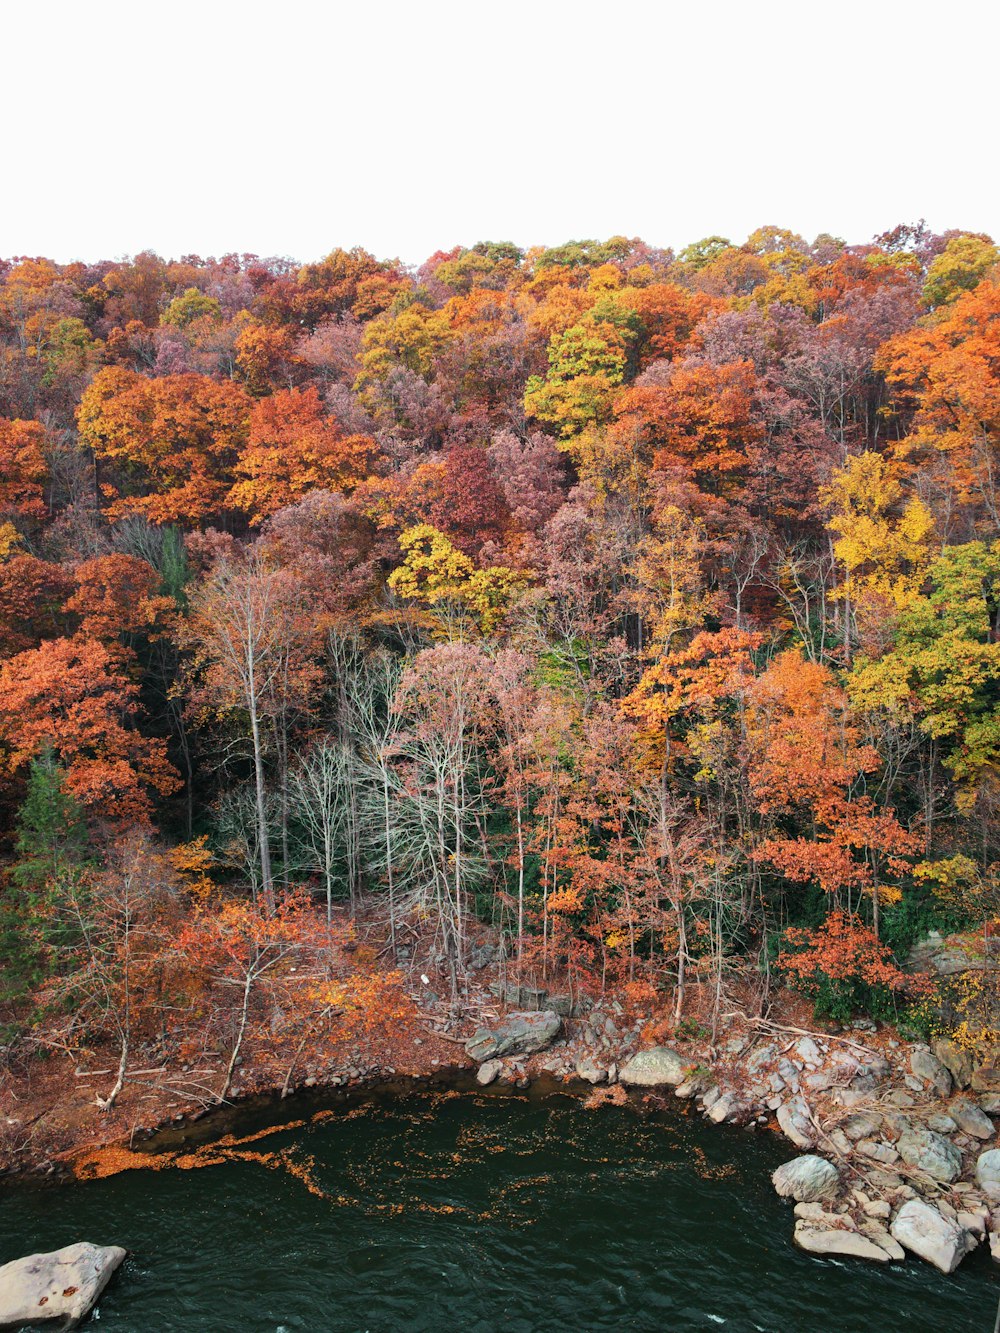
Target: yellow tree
[883, 539]
[438, 574]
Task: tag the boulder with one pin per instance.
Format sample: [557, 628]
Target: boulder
[928, 1067]
[822, 1240]
[876, 1232]
[930, 1153]
[793, 1117]
[957, 1061]
[63, 1285]
[986, 1078]
[654, 1067]
[970, 1119]
[728, 1107]
[589, 1071]
[861, 1125]
[988, 1172]
[990, 1103]
[920, 1228]
[518, 1034]
[941, 1123]
[488, 1072]
[806, 1179]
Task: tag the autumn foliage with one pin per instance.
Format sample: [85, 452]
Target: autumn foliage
[631, 617]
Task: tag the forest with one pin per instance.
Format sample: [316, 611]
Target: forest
[623, 620]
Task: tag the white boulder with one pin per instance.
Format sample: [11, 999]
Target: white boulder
[920, 1228]
[63, 1285]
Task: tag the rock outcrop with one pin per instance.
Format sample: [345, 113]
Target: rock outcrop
[518, 1034]
[806, 1179]
[63, 1285]
[923, 1230]
[931, 1153]
[656, 1067]
[834, 1240]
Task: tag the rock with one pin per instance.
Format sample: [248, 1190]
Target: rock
[987, 1077]
[941, 1123]
[990, 1103]
[709, 1098]
[793, 1117]
[864, 1025]
[920, 1228]
[789, 1073]
[861, 1125]
[930, 1153]
[806, 1179]
[876, 1232]
[692, 1086]
[841, 1142]
[995, 1246]
[518, 1034]
[971, 1120]
[654, 1067]
[928, 1067]
[728, 1107]
[482, 956]
[820, 1081]
[488, 1072]
[957, 1061]
[975, 1222]
[879, 1152]
[815, 1212]
[762, 1055]
[848, 1097]
[589, 1071]
[877, 1208]
[988, 1173]
[63, 1285]
[807, 1050]
[901, 1099]
[817, 1240]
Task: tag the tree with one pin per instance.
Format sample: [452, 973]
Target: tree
[72, 696]
[944, 373]
[23, 470]
[247, 630]
[293, 448]
[171, 441]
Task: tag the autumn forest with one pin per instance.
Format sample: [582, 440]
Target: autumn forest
[623, 617]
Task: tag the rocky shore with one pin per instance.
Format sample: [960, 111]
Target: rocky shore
[900, 1139]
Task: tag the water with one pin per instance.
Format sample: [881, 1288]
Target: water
[481, 1211]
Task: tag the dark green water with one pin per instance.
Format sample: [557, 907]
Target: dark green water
[478, 1212]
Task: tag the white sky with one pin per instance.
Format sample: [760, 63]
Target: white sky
[289, 128]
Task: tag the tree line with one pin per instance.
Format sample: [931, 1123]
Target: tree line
[639, 607]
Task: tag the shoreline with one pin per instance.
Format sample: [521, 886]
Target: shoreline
[881, 1110]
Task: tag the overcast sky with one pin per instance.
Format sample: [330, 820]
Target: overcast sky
[290, 128]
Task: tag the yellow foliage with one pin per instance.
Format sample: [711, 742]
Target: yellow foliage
[10, 541]
[437, 573]
[884, 543]
[193, 862]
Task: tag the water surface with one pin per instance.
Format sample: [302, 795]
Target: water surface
[481, 1211]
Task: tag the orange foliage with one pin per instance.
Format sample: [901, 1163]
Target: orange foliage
[293, 448]
[71, 694]
[172, 442]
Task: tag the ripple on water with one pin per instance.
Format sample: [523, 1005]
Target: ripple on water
[480, 1212]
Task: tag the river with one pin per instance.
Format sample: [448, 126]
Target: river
[495, 1210]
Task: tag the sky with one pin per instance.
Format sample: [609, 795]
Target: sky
[291, 128]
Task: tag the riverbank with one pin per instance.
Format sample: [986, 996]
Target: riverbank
[900, 1123]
